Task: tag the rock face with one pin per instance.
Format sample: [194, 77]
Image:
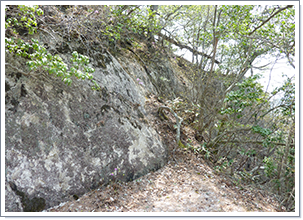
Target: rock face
[62, 141]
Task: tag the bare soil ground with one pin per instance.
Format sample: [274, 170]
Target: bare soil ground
[188, 183]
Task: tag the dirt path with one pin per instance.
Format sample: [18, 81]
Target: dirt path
[185, 187]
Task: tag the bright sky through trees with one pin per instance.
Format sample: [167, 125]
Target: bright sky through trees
[277, 65]
[272, 77]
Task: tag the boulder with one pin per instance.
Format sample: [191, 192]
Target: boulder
[62, 141]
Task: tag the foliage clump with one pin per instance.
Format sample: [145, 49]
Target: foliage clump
[39, 58]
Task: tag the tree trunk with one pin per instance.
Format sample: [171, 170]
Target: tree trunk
[281, 170]
[154, 9]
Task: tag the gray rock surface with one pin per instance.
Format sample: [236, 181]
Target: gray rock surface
[62, 141]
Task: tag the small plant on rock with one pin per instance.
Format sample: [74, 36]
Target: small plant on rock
[114, 182]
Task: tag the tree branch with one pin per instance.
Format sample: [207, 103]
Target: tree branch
[244, 70]
[182, 46]
[253, 142]
[177, 9]
[264, 22]
[290, 61]
[17, 69]
[276, 107]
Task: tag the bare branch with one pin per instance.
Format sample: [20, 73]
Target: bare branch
[253, 142]
[290, 61]
[182, 46]
[17, 69]
[260, 67]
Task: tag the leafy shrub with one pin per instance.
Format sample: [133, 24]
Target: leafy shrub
[39, 58]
